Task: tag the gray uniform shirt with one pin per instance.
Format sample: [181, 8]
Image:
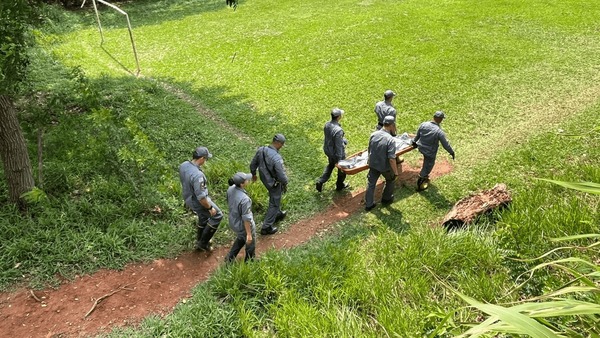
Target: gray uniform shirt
[383, 109]
[193, 185]
[334, 144]
[382, 148]
[270, 165]
[240, 209]
[429, 136]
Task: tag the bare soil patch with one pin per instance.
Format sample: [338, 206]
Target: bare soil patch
[96, 303]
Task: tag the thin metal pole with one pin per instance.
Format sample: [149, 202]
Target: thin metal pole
[99, 24]
[128, 27]
[137, 63]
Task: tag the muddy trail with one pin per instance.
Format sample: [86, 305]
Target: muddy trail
[96, 303]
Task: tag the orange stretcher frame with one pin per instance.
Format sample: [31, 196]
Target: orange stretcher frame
[359, 168]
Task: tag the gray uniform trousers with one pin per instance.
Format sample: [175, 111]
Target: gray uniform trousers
[428, 163]
[240, 242]
[205, 233]
[388, 191]
[274, 206]
[341, 176]
[205, 218]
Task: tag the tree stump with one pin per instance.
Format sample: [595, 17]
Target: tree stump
[468, 209]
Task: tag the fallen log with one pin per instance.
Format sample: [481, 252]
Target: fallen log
[468, 209]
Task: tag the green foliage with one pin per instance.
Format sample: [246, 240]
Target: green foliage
[571, 310]
[15, 20]
[111, 195]
[35, 197]
[589, 187]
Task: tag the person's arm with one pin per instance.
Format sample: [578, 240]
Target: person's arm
[369, 150]
[338, 140]
[446, 144]
[254, 164]
[417, 137]
[391, 155]
[202, 194]
[248, 228]
[247, 218]
[280, 171]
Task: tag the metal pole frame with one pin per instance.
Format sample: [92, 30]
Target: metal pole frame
[137, 63]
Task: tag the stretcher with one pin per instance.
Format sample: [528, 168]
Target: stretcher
[358, 162]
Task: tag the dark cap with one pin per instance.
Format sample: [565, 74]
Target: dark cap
[336, 112]
[389, 120]
[388, 93]
[439, 114]
[201, 152]
[241, 177]
[279, 138]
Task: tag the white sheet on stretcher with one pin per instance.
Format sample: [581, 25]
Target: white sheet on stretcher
[402, 141]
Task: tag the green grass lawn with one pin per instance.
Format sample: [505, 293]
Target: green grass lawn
[495, 68]
[509, 74]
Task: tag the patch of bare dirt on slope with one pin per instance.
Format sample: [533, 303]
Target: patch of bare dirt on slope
[125, 297]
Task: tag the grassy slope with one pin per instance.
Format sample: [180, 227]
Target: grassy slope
[494, 67]
[505, 73]
[374, 278]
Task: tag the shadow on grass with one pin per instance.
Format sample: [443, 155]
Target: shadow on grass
[130, 71]
[433, 195]
[236, 114]
[390, 214]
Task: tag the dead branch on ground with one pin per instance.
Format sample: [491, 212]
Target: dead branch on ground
[34, 296]
[124, 287]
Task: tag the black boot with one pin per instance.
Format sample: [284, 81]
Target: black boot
[422, 183]
[207, 235]
[199, 232]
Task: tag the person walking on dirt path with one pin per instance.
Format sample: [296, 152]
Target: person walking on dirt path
[382, 162]
[195, 194]
[269, 163]
[334, 146]
[429, 136]
[385, 108]
[241, 220]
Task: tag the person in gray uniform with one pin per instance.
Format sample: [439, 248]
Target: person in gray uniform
[385, 108]
[269, 163]
[195, 194]
[382, 162]
[334, 146]
[429, 136]
[241, 220]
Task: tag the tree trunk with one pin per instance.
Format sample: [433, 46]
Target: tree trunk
[468, 209]
[13, 152]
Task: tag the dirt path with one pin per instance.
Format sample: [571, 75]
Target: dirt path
[139, 290]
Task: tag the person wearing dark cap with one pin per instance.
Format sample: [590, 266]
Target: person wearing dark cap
[429, 136]
[241, 220]
[382, 162]
[269, 163]
[385, 108]
[334, 146]
[195, 194]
